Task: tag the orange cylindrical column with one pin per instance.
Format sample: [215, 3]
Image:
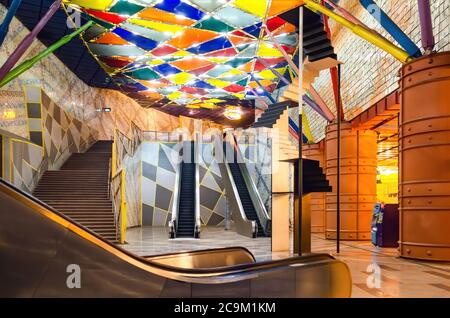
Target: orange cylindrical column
[424, 164]
[358, 181]
[317, 200]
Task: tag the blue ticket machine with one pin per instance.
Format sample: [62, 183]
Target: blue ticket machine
[377, 224]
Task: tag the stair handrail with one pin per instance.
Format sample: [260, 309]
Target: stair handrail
[123, 208]
[244, 226]
[119, 204]
[109, 177]
[258, 204]
[117, 168]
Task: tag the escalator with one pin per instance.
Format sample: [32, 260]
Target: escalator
[246, 200]
[40, 245]
[247, 209]
[186, 211]
[186, 215]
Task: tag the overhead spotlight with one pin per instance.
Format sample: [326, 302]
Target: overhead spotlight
[233, 113]
[103, 110]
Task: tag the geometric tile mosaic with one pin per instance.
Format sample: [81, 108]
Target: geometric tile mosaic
[158, 182]
[128, 158]
[63, 133]
[53, 136]
[194, 55]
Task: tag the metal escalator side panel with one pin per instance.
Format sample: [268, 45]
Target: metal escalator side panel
[222, 257]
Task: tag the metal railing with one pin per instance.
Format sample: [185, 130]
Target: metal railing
[117, 195]
[174, 136]
[161, 136]
[118, 175]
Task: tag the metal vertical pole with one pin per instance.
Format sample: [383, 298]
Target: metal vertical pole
[426, 25]
[300, 130]
[28, 40]
[4, 26]
[338, 200]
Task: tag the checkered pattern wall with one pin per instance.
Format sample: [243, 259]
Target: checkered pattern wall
[212, 189]
[158, 182]
[26, 165]
[54, 135]
[34, 114]
[128, 157]
[13, 117]
[63, 134]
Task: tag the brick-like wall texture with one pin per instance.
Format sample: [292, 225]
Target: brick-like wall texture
[368, 73]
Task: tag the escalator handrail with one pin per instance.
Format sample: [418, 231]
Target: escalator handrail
[219, 249]
[226, 274]
[233, 183]
[258, 203]
[198, 222]
[176, 198]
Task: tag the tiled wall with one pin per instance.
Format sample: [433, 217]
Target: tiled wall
[54, 135]
[13, 117]
[128, 158]
[158, 182]
[78, 99]
[212, 189]
[63, 133]
[159, 171]
[27, 164]
[369, 74]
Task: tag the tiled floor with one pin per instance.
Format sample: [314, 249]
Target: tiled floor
[376, 272]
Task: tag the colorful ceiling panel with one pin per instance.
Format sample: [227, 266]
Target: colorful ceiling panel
[190, 54]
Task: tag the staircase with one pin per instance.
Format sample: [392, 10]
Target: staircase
[316, 44]
[186, 208]
[277, 117]
[80, 190]
[270, 117]
[314, 178]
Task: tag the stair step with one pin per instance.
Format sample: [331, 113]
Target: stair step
[80, 190]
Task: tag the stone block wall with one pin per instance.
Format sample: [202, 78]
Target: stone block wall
[368, 73]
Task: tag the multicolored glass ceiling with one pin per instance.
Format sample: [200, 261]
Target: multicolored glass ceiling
[190, 54]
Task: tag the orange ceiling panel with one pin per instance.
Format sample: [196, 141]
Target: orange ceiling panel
[279, 6]
[111, 38]
[190, 37]
[285, 28]
[238, 40]
[164, 16]
[191, 64]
